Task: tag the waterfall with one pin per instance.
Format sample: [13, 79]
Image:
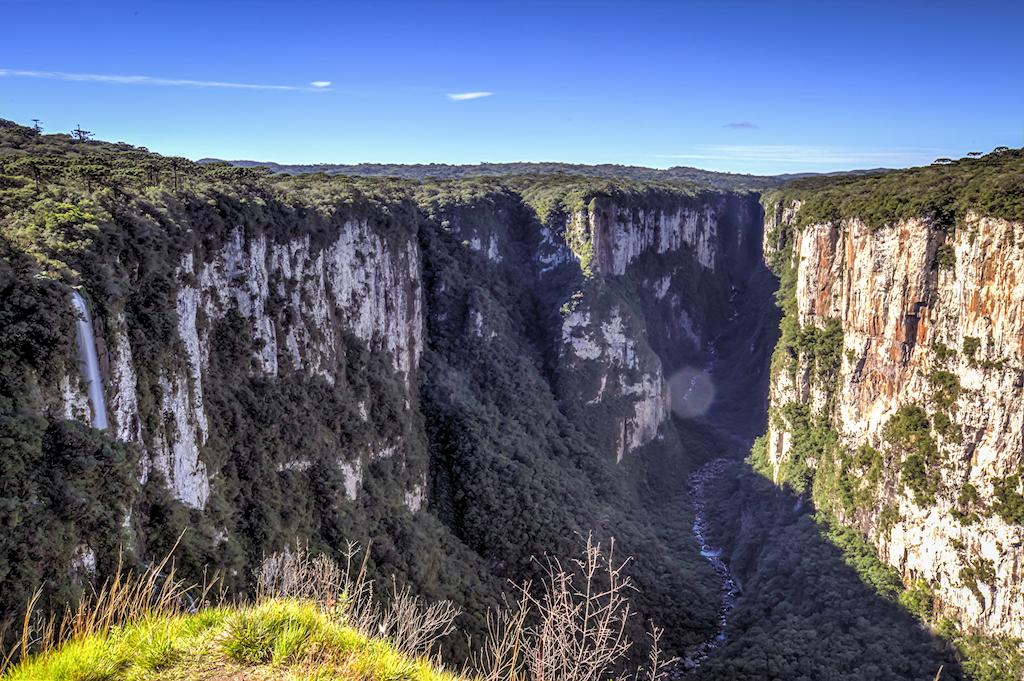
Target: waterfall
[88, 362]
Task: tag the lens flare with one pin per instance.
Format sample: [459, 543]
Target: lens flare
[692, 392]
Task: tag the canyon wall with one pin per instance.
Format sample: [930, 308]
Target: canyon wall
[666, 282]
[655, 290]
[301, 306]
[466, 378]
[899, 394]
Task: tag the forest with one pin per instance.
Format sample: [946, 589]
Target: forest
[990, 184]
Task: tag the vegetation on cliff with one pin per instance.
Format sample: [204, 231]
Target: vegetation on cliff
[510, 475]
[857, 489]
[991, 185]
[442, 171]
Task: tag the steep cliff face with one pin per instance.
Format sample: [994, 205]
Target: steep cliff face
[627, 291]
[908, 344]
[665, 281]
[547, 383]
[300, 305]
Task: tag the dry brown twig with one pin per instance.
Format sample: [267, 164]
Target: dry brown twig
[125, 597]
[347, 594]
[574, 629]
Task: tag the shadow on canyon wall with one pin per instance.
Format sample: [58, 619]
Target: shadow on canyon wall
[805, 613]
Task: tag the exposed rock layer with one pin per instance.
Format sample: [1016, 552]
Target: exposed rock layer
[948, 337]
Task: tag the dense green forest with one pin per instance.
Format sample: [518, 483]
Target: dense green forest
[990, 184]
[442, 171]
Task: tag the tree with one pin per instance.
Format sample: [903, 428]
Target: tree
[81, 135]
[37, 125]
[942, 161]
[973, 154]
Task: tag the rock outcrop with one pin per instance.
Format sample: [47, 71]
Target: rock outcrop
[932, 340]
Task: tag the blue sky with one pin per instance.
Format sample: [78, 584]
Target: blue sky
[726, 85]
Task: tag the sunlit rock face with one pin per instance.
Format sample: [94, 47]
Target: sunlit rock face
[621, 235]
[943, 333]
[623, 366]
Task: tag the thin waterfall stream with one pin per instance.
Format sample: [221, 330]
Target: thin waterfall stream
[88, 361]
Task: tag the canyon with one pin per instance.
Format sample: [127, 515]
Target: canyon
[473, 372]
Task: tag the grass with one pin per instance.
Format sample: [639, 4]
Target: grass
[314, 618]
[276, 639]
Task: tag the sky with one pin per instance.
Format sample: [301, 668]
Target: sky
[740, 86]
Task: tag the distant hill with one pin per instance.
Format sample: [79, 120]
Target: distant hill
[421, 171]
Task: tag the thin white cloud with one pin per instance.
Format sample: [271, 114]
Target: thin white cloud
[316, 86]
[806, 154]
[463, 96]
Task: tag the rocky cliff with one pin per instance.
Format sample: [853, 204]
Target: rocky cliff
[896, 394]
[664, 283]
[468, 373]
[300, 304]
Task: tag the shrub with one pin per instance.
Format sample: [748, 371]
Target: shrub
[910, 430]
[822, 348]
[945, 257]
[919, 480]
[971, 346]
[966, 501]
[813, 439]
[1009, 501]
[945, 427]
[942, 352]
[946, 388]
[887, 519]
[919, 599]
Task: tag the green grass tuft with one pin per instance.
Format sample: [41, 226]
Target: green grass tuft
[274, 639]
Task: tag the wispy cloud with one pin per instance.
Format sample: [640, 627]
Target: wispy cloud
[809, 155]
[740, 125]
[463, 96]
[315, 86]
